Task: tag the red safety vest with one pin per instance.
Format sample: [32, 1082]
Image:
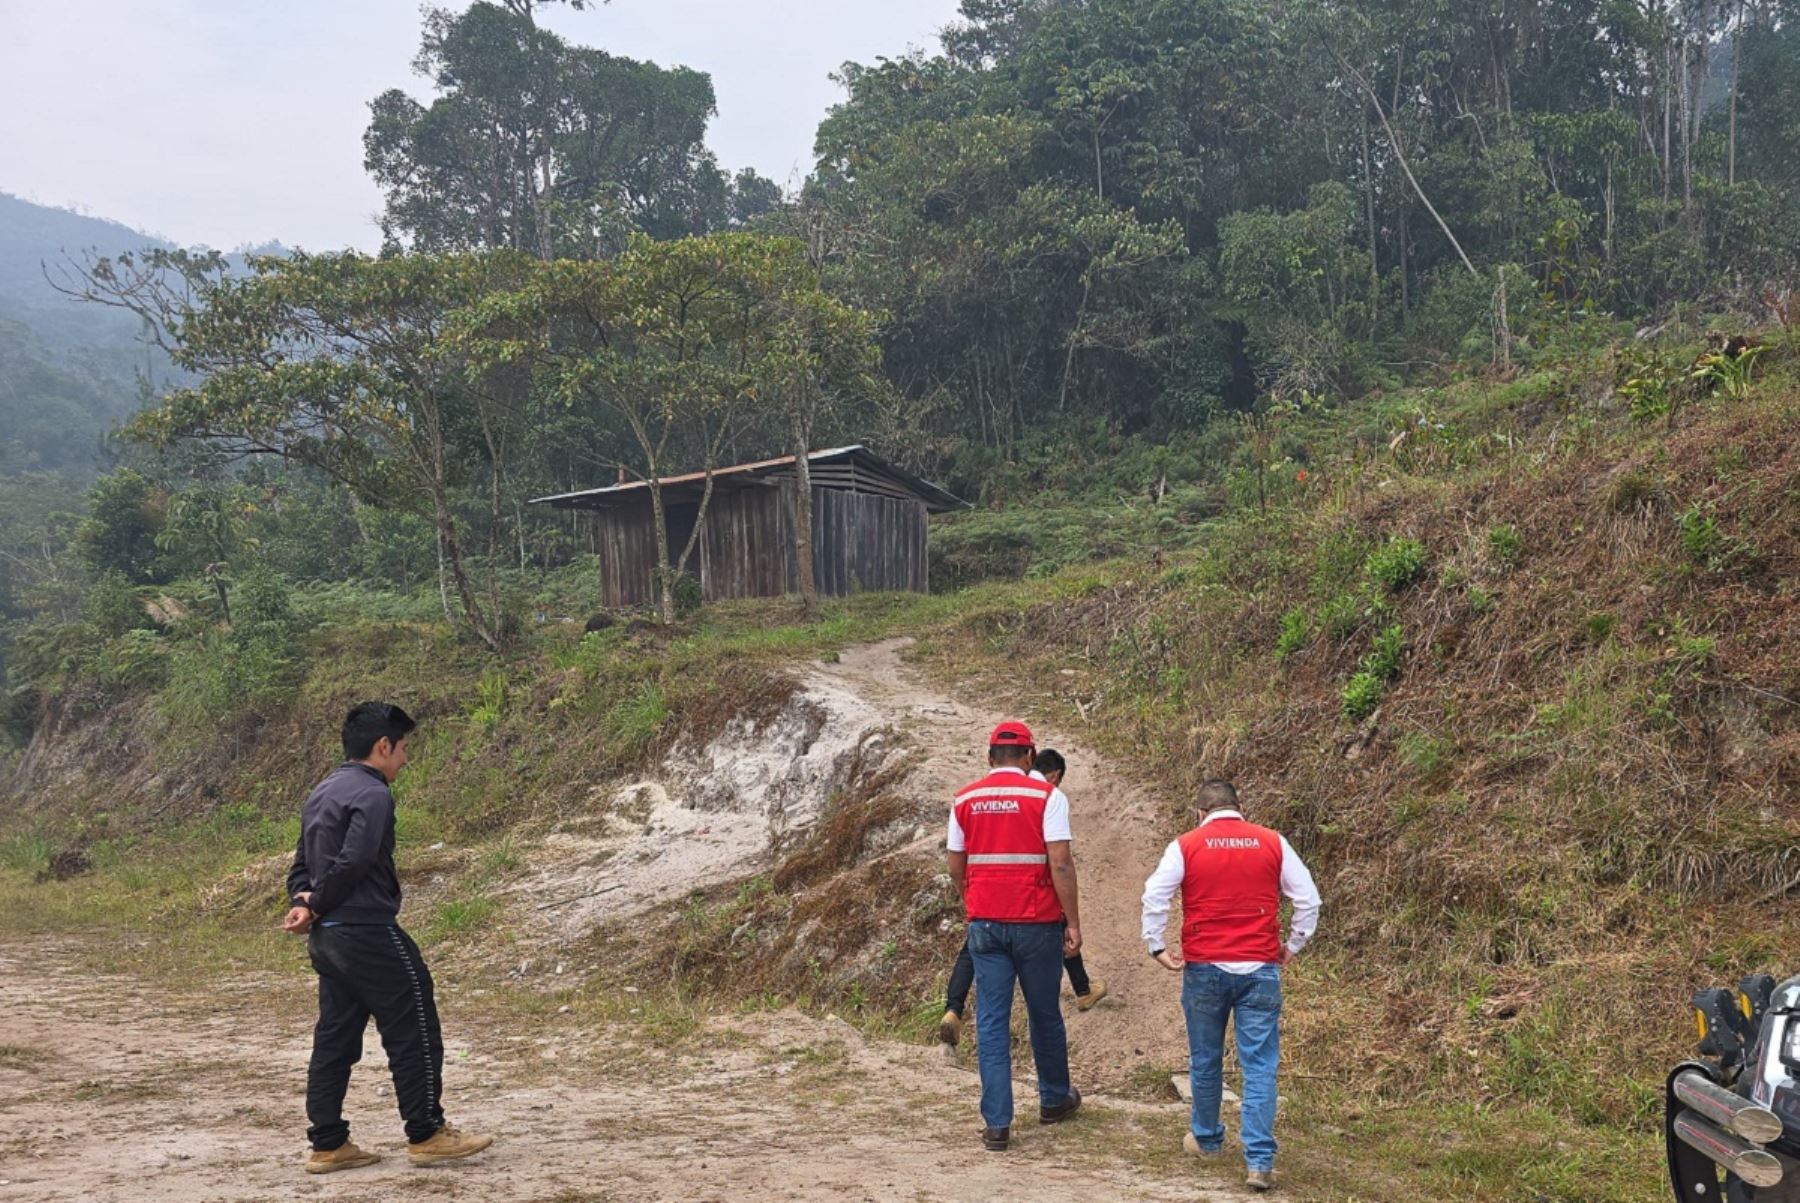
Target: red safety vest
[1002, 819]
[1230, 893]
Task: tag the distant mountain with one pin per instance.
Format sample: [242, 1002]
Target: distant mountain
[68, 371]
[35, 236]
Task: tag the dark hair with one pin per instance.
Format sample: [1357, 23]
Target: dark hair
[1050, 761]
[368, 723]
[1216, 794]
[1002, 755]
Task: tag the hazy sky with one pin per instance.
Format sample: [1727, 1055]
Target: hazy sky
[230, 122]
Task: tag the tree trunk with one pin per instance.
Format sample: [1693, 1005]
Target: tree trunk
[444, 581]
[1400, 158]
[1374, 246]
[694, 536]
[803, 514]
[459, 576]
[496, 465]
[1607, 194]
[1502, 324]
[449, 543]
[1737, 36]
[1087, 284]
[1099, 177]
[1668, 158]
[665, 585]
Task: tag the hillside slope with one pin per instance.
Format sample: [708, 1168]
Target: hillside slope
[1513, 665]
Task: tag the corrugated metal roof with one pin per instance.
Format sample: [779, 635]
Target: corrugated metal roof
[934, 497]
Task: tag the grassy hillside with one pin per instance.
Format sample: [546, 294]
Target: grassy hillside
[1516, 664]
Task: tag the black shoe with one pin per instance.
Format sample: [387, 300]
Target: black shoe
[994, 1139]
[1063, 1110]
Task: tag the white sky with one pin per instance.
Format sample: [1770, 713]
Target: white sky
[234, 122]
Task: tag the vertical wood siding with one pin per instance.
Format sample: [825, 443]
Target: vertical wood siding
[862, 542]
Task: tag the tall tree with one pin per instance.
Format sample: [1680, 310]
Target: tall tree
[542, 146]
[339, 362]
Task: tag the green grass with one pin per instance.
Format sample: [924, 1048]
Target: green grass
[459, 916]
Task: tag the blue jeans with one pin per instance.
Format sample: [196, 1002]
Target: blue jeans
[1252, 1001]
[1031, 954]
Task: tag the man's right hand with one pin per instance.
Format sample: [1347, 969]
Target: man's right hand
[1168, 961]
[298, 921]
[1071, 940]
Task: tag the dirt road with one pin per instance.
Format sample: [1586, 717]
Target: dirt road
[114, 1089]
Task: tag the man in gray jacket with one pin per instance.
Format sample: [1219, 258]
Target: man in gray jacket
[345, 896]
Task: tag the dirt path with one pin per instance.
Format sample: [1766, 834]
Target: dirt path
[1117, 843]
[114, 1090]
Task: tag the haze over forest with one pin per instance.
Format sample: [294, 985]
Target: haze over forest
[1389, 405]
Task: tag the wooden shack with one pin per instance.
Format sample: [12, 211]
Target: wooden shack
[868, 528]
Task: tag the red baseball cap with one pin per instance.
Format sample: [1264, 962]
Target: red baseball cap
[1011, 735]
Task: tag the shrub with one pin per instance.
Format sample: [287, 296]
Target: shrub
[1396, 564]
[125, 512]
[491, 690]
[1728, 373]
[1707, 545]
[1296, 632]
[1341, 615]
[688, 597]
[1366, 687]
[1423, 752]
[136, 660]
[263, 599]
[1480, 600]
[633, 723]
[1361, 695]
[1384, 658]
[1599, 627]
[112, 606]
[1506, 545]
[217, 681]
[1633, 491]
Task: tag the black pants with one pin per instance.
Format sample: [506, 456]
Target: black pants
[373, 970]
[962, 977]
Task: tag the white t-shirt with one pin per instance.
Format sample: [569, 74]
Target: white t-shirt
[1056, 816]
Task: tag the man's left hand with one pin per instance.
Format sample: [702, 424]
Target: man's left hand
[1167, 960]
[1071, 940]
[299, 920]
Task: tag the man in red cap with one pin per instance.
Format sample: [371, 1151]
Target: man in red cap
[1009, 855]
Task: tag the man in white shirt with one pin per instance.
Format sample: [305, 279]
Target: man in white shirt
[1008, 853]
[1048, 766]
[1232, 876]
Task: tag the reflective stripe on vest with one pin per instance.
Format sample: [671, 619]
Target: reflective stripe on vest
[1231, 893]
[1008, 880]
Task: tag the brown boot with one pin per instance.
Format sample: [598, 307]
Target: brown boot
[950, 1028]
[1260, 1180]
[345, 1157]
[446, 1144]
[1096, 992]
[1063, 1110]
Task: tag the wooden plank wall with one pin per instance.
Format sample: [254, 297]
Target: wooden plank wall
[627, 556]
[866, 543]
[748, 547]
[862, 542]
